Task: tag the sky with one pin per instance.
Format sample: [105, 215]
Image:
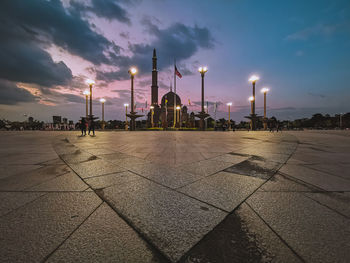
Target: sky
[299, 49]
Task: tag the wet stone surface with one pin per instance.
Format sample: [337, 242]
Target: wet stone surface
[175, 196]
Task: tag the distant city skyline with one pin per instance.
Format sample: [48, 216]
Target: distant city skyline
[49, 48]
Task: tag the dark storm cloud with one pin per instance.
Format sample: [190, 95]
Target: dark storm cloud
[10, 94]
[50, 22]
[177, 41]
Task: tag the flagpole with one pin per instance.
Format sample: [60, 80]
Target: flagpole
[174, 93]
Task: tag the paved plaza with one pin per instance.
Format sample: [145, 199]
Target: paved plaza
[158, 196]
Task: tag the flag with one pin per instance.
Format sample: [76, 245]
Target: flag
[178, 73]
[189, 102]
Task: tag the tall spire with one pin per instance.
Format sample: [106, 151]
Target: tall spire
[154, 87]
[171, 86]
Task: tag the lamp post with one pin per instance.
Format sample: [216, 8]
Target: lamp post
[265, 90]
[202, 115]
[251, 99]
[87, 93]
[102, 100]
[340, 120]
[132, 71]
[90, 82]
[178, 115]
[229, 115]
[152, 113]
[253, 79]
[126, 116]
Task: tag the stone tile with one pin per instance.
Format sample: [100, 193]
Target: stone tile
[29, 179]
[29, 234]
[117, 179]
[66, 182]
[223, 190]
[13, 200]
[169, 220]
[170, 177]
[317, 178]
[187, 157]
[120, 242]
[95, 168]
[337, 169]
[113, 156]
[241, 237]
[315, 232]
[255, 167]
[23, 158]
[284, 183]
[205, 168]
[99, 151]
[9, 170]
[337, 201]
[129, 162]
[230, 158]
[209, 155]
[77, 157]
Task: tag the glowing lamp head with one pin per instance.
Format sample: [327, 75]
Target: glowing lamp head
[86, 92]
[126, 104]
[229, 104]
[102, 100]
[132, 71]
[251, 99]
[178, 107]
[203, 69]
[151, 107]
[264, 90]
[90, 82]
[253, 78]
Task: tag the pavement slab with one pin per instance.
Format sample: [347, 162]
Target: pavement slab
[317, 178]
[118, 179]
[171, 221]
[29, 179]
[170, 177]
[241, 237]
[223, 190]
[13, 200]
[314, 231]
[9, 170]
[95, 168]
[66, 182]
[120, 242]
[205, 167]
[33, 232]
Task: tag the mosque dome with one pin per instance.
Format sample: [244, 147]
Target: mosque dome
[170, 97]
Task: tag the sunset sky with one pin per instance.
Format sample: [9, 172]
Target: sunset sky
[300, 49]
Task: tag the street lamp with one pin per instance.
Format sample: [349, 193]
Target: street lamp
[90, 82]
[102, 100]
[178, 108]
[152, 113]
[132, 71]
[265, 90]
[252, 100]
[87, 93]
[202, 115]
[229, 104]
[253, 79]
[126, 116]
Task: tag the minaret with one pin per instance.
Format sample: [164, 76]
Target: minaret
[154, 87]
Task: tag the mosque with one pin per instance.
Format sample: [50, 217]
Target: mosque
[163, 114]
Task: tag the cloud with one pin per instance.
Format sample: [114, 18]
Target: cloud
[48, 22]
[317, 95]
[176, 41]
[11, 94]
[109, 9]
[323, 30]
